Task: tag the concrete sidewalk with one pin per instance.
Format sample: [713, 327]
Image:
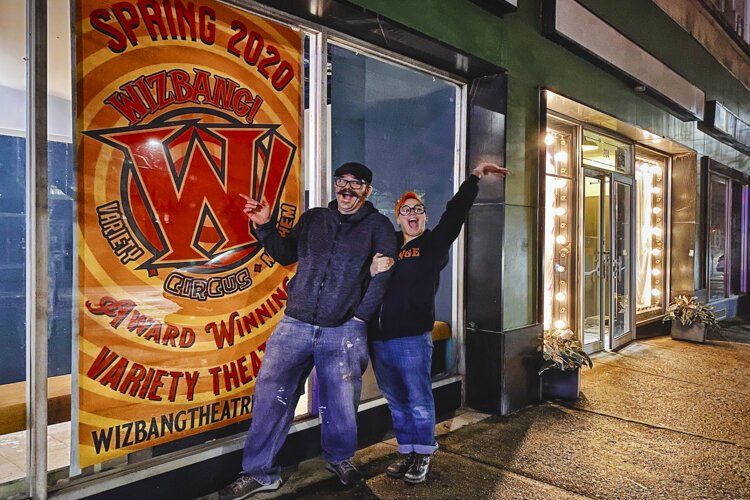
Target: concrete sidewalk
[658, 419]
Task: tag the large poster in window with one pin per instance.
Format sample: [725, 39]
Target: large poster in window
[182, 106]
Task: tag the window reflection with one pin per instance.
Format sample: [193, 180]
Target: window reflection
[650, 175]
[717, 237]
[559, 224]
[402, 124]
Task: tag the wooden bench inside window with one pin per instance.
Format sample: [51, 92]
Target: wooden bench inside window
[13, 404]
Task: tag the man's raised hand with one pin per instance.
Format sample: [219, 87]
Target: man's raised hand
[259, 212]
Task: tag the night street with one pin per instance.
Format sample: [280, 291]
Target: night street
[374, 249]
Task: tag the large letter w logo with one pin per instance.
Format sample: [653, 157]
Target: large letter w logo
[182, 181]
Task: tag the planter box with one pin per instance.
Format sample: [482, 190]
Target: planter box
[695, 332]
[561, 384]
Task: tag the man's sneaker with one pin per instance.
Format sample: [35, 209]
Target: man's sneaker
[398, 468]
[245, 486]
[417, 473]
[347, 473]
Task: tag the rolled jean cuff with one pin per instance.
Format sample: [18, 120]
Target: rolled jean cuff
[422, 449]
[425, 449]
[405, 449]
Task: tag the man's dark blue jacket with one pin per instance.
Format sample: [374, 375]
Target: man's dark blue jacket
[332, 283]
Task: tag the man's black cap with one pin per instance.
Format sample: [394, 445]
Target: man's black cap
[356, 169]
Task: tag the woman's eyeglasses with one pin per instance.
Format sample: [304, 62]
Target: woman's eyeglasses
[354, 183]
[416, 209]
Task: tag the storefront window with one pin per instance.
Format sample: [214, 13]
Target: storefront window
[13, 128]
[650, 175]
[402, 124]
[717, 236]
[145, 206]
[559, 226]
[740, 227]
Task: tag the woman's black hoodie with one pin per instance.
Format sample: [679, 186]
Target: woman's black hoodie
[409, 305]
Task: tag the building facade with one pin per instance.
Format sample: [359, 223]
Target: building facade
[625, 125]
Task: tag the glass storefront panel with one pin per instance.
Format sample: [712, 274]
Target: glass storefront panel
[739, 241]
[601, 151]
[61, 252]
[559, 224]
[13, 128]
[172, 136]
[651, 211]
[402, 124]
[717, 236]
[621, 262]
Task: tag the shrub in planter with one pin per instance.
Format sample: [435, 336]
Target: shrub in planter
[563, 356]
[690, 318]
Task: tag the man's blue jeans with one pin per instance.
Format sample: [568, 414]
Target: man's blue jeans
[339, 355]
[402, 369]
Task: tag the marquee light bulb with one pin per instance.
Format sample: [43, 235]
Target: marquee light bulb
[560, 296]
[655, 292]
[656, 272]
[657, 210]
[560, 211]
[549, 139]
[656, 190]
[559, 324]
[561, 239]
[561, 156]
[656, 231]
[656, 252]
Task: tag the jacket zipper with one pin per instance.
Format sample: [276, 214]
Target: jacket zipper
[328, 267]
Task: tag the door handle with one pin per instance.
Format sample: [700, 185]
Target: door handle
[616, 268]
[606, 264]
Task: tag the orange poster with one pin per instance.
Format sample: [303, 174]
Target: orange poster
[181, 107]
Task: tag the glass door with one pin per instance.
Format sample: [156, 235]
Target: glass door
[622, 262]
[596, 289]
[607, 280]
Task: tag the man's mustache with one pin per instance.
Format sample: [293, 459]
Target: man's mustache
[348, 192]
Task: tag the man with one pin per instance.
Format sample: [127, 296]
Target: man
[330, 299]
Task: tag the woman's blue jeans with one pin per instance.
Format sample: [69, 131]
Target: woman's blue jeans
[402, 369]
[339, 355]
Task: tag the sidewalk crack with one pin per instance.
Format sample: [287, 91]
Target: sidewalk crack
[647, 424]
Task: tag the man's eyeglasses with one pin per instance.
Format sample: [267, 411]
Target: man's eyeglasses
[354, 183]
[416, 209]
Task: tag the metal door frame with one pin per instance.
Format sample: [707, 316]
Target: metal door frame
[606, 342]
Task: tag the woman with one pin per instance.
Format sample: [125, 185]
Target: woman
[401, 333]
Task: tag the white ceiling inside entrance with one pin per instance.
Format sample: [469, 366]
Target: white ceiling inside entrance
[13, 64]
[13, 36]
